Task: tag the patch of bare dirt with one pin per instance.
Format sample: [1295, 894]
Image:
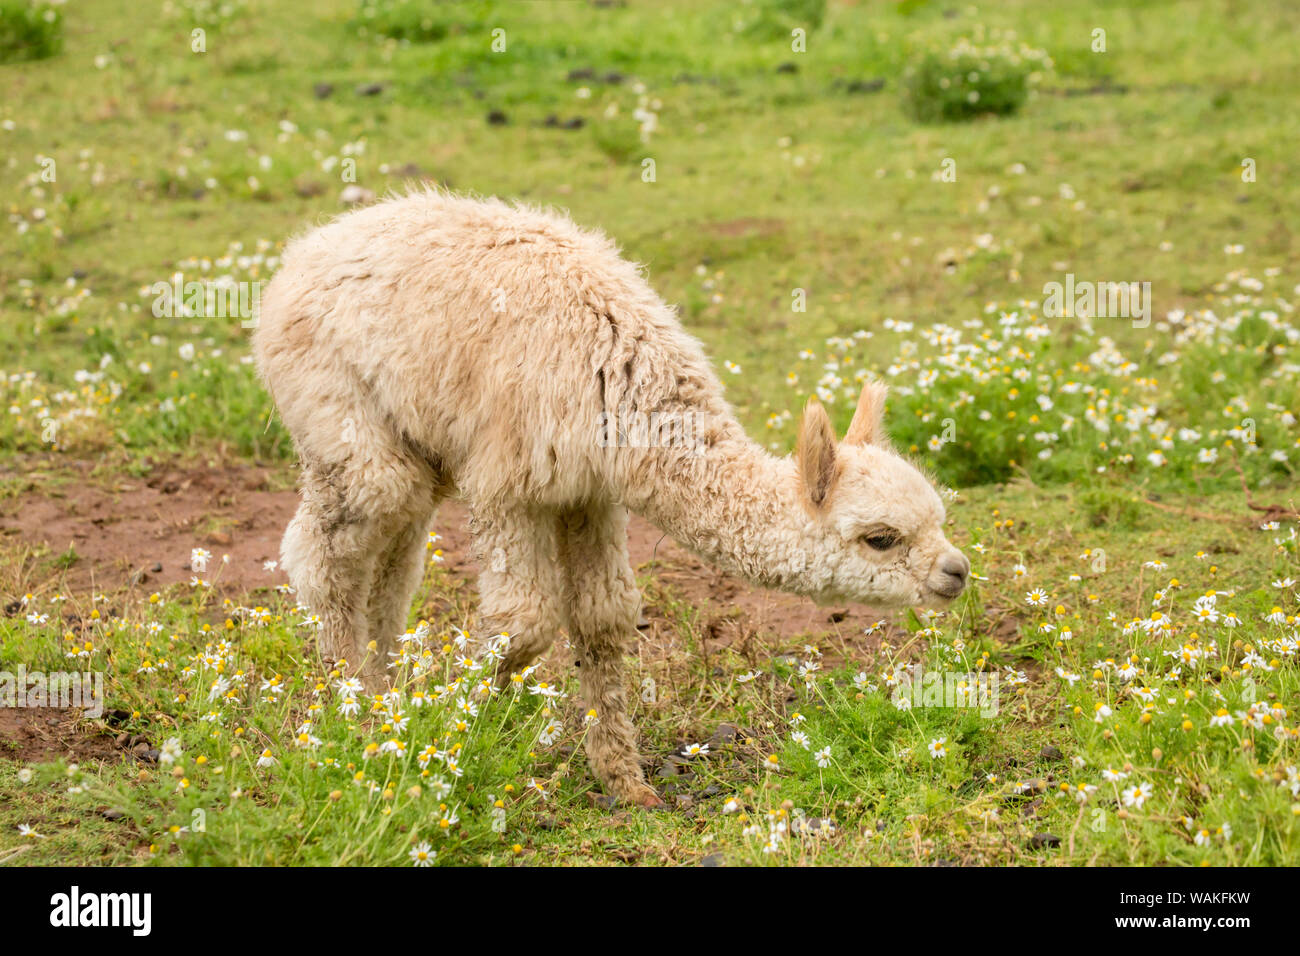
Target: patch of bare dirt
[42, 734]
[138, 534]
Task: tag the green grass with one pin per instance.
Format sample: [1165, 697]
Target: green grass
[920, 252]
[334, 796]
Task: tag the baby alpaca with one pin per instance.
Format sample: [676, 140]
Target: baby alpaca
[433, 345]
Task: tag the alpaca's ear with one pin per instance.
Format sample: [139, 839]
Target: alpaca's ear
[868, 425]
[816, 453]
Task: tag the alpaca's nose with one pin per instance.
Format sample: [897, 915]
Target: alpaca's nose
[954, 568]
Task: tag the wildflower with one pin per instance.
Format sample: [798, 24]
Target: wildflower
[422, 855]
[1136, 796]
[170, 751]
[550, 733]
[938, 748]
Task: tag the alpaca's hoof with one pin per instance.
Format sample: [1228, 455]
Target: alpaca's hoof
[645, 797]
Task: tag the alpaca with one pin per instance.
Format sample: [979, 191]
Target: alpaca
[434, 345]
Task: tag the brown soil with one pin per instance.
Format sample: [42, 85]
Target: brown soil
[42, 734]
[137, 534]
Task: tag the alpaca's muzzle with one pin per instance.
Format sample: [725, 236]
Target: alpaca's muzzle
[950, 574]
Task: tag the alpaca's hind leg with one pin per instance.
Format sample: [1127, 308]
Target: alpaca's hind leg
[601, 599]
[332, 549]
[328, 553]
[519, 584]
[398, 571]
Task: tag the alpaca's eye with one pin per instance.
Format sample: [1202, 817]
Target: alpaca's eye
[881, 540]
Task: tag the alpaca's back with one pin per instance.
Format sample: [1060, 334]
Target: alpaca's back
[486, 338]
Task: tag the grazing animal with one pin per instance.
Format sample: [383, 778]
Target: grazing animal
[435, 345]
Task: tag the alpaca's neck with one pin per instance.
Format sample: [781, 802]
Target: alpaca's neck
[730, 502]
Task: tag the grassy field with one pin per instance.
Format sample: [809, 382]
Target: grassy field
[1126, 489]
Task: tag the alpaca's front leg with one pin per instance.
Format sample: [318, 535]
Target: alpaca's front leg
[602, 600]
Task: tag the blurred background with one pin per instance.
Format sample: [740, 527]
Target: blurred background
[790, 173]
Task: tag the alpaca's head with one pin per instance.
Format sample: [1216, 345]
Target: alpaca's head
[876, 522]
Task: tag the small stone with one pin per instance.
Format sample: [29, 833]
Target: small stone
[1040, 840]
[497, 118]
[726, 734]
[866, 86]
[1050, 752]
[713, 859]
[323, 90]
[371, 89]
[788, 67]
[352, 195]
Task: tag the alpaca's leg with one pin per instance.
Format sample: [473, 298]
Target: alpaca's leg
[601, 599]
[519, 584]
[333, 547]
[329, 554]
[398, 572]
